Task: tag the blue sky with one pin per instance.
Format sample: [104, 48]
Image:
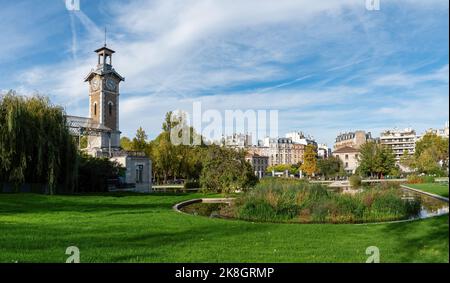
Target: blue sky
[327, 66]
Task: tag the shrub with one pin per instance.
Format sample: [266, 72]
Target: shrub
[427, 179]
[414, 179]
[191, 185]
[93, 173]
[355, 181]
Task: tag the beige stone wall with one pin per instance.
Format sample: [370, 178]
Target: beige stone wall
[95, 100]
[349, 159]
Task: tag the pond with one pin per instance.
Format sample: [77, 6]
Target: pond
[430, 206]
[209, 209]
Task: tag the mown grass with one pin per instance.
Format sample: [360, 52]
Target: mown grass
[434, 188]
[144, 228]
[278, 201]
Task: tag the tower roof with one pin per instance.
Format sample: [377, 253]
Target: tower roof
[104, 48]
[101, 72]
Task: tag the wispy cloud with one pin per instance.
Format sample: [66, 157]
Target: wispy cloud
[324, 64]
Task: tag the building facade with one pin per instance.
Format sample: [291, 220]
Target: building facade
[323, 151]
[349, 157]
[440, 132]
[352, 139]
[279, 151]
[237, 140]
[301, 138]
[399, 141]
[259, 163]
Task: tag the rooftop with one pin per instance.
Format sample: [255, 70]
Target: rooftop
[346, 149]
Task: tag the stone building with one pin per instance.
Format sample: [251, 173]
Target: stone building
[102, 126]
[352, 139]
[259, 163]
[349, 157]
[279, 151]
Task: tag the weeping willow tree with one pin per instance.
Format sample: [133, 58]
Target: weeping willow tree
[35, 144]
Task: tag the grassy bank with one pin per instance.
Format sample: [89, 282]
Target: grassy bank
[128, 228]
[434, 188]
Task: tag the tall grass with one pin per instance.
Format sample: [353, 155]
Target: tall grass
[276, 200]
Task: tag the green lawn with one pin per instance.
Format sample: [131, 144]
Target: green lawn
[434, 188]
[131, 228]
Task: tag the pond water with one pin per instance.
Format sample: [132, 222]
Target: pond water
[208, 209]
[429, 206]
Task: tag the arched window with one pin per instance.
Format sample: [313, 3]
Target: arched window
[95, 109]
[110, 108]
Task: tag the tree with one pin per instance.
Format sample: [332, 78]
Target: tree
[309, 165]
[225, 170]
[172, 159]
[139, 142]
[431, 152]
[163, 155]
[431, 140]
[384, 161]
[375, 160]
[125, 143]
[330, 167]
[35, 143]
[366, 158]
[426, 161]
[407, 160]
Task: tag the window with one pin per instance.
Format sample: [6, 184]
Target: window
[346, 156]
[139, 171]
[346, 164]
[110, 108]
[95, 109]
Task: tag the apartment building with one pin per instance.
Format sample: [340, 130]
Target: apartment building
[440, 132]
[301, 138]
[399, 141]
[279, 150]
[323, 151]
[237, 140]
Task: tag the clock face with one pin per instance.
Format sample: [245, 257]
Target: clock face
[110, 84]
[95, 84]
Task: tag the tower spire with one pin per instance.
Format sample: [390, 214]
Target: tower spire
[105, 36]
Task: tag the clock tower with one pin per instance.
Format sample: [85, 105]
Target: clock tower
[104, 101]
